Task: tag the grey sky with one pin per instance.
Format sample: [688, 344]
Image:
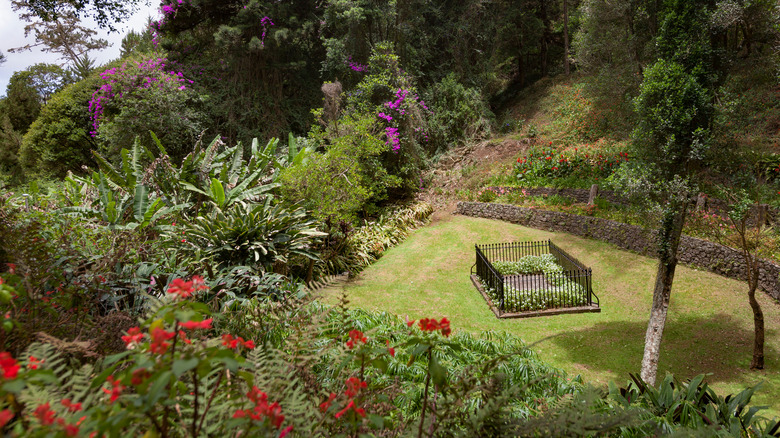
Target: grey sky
[12, 35]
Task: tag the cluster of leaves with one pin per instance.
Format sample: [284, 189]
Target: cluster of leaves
[530, 264]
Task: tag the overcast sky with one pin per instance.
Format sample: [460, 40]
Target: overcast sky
[12, 35]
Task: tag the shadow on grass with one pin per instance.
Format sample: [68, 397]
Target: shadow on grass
[691, 345]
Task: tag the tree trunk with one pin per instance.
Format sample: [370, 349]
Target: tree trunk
[669, 242]
[566, 37]
[758, 322]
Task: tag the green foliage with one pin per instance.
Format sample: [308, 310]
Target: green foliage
[692, 405]
[141, 96]
[530, 264]
[549, 167]
[59, 140]
[459, 114]
[347, 179]
[262, 236]
[347, 250]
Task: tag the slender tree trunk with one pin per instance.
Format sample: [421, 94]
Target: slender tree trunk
[669, 242]
[758, 324]
[566, 36]
[752, 267]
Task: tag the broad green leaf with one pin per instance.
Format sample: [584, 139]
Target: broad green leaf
[181, 366]
[217, 192]
[140, 202]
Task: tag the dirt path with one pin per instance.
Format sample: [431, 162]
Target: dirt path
[465, 167]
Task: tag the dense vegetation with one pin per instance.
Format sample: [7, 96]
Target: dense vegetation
[157, 274]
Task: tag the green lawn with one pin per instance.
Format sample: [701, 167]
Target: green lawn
[709, 328]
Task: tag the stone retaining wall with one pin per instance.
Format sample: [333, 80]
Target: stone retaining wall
[695, 252]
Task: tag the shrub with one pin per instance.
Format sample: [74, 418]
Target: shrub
[58, 140]
[459, 114]
[137, 97]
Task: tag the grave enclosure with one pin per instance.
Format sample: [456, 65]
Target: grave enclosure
[564, 289]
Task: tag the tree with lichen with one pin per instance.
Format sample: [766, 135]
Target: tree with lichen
[673, 135]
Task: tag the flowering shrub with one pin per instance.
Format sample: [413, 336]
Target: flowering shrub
[141, 96]
[541, 166]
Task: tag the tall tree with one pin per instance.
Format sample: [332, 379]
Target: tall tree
[105, 12]
[62, 34]
[675, 112]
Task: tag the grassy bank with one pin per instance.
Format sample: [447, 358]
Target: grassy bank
[709, 329]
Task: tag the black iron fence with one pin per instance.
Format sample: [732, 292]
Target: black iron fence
[569, 287]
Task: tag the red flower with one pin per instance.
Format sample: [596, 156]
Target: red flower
[159, 340]
[139, 376]
[192, 325]
[355, 336]
[116, 388]
[198, 283]
[33, 362]
[230, 342]
[390, 349]
[11, 268]
[6, 415]
[262, 409]
[45, 415]
[351, 404]
[431, 325]
[133, 335]
[354, 385]
[71, 429]
[9, 366]
[285, 431]
[326, 404]
[72, 407]
[183, 337]
[181, 288]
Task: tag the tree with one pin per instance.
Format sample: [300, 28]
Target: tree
[104, 12]
[62, 33]
[675, 113]
[748, 238]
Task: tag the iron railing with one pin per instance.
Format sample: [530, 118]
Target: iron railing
[537, 291]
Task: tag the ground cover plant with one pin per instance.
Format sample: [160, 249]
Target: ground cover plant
[703, 337]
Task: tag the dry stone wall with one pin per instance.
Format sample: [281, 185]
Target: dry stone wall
[694, 252]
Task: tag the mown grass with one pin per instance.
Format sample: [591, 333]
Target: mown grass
[709, 328]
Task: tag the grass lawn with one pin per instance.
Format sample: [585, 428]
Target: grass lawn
[709, 328]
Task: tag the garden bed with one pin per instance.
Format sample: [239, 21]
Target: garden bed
[521, 279]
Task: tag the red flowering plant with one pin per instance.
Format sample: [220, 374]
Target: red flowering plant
[177, 377]
[581, 166]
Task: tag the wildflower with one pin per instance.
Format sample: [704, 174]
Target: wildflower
[181, 288]
[33, 362]
[116, 388]
[139, 376]
[193, 325]
[233, 343]
[198, 283]
[159, 343]
[326, 404]
[6, 415]
[134, 335]
[11, 268]
[70, 429]
[72, 407]
[9, 366]
[44, 414]
[355, 336]
[354, 385]
[286, 431]
[390, 349]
